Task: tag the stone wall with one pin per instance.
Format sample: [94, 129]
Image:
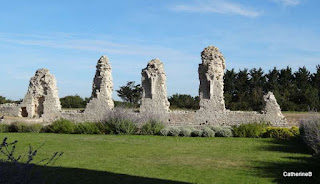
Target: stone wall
[9, 109]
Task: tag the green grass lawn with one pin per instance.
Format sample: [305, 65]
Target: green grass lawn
[156, 159]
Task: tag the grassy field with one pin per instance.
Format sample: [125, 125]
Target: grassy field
[155, 159]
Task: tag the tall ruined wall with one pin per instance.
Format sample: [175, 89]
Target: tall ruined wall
[211, 72]
[101, 98]
[154, 97]
[42, 98]
[272, 110]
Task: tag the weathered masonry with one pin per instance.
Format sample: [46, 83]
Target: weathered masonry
[42, 101]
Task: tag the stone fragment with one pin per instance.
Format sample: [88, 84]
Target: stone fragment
[101, 98]
[211, 72]
[42, 97]
[272, 109]
[154, 97]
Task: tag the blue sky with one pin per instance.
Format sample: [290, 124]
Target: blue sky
[68, 37]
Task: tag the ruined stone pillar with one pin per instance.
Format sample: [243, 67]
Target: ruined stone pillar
[272, 110]
[154, 97]
[101, 97]
[211, 72]
[42, 97]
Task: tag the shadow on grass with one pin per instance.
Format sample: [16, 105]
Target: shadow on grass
[291, 164]
[13, 174]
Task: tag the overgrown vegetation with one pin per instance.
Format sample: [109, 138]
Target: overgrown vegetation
[183, 101]
[310, 133]
[152, 127]
[250, 130]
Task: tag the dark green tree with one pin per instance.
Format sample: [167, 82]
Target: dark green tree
[73, 102]
[130, 93]
[183, 101]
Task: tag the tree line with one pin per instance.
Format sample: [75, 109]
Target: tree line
[243, 90]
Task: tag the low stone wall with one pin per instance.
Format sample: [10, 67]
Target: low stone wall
[9, 109]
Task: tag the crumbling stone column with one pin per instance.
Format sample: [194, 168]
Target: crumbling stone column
[101, 97]
[42, 97]
[154, 97]
[211, 72]
[272, 110]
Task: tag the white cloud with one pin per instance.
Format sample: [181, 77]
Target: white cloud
[217, 6]
[288, 2]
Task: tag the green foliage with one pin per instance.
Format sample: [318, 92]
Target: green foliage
[4, 128]
[196, 133]
[25, 127]
[3, 100]
[310, 133]
[174, 131]
[281, 133]
[294, 91]
[249, 129]
[183, 101]
[152, 128]
[185, 131]
[87, 128]
[224, 132]
[61, 126]
[207, 132]
[165, 131]
[73, 102]
[130, 92]
[120, 126]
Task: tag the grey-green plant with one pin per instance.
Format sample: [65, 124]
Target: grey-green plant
[185, 131]
[207, 132]
[174, 131]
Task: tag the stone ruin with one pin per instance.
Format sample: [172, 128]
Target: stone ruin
[154, 96]
[211, 72]
[42, 101]
[102, 87]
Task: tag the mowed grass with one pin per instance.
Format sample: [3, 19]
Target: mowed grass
[156, 159]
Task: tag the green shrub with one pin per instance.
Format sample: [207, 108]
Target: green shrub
[25, 127]
[4, 128]
[207, 132]
[121, 126]
[87, 128]
[281, 133]
[310, 134]
[224, 132]
[152, 128]
[61, 126]
[216, 128]
[174, 131]
[196, 133]
[185, 132]
[249, 129]
[164, 132]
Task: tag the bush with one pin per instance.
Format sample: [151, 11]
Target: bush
[121, 126]
[216, 128]
[185, 132]
[87, 128]
[207, 132]
[310, 134]
[196, 133]
[25, 128]
[4, 128]
[164, 132]
[174, 131]
[224, 132]
[249, 130]
[61, 126]
[281, 133]
[152, 128]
